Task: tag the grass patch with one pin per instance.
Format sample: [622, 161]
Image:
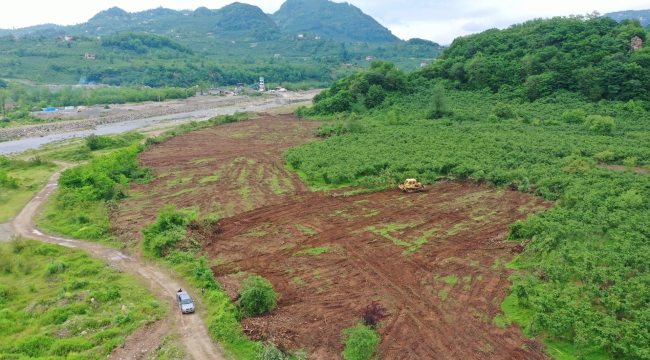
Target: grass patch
[29, 180]
[451, 280]
[46, 308]
[209, 179]
[307, 231]
[314, 251]
[184, 191]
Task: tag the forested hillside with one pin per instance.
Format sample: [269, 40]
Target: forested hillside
[592, 56]
[237, 43]
[339, 21]
[642, 15]
[581, 282]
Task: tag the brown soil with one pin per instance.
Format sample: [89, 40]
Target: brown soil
[434, 259]
[225, 170]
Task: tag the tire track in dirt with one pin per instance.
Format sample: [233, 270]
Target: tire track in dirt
[364, 265]
[194, 335]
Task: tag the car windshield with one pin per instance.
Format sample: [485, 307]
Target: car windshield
[186, 301]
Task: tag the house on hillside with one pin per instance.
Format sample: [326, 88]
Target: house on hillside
[90, 56]
[317, 37]
[215, 91]
[423, 64]
[369, 58]
[301, 36]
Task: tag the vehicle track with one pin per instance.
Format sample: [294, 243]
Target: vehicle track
[193, 332]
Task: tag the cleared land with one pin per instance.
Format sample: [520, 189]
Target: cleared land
[436, 260]
[225, 170]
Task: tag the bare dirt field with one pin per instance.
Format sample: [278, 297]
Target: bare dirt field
[225, 170]
[436, 260]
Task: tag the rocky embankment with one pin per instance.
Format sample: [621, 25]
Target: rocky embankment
[71, 125]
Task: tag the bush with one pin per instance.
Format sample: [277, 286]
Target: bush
[600, 125]
[576, 116]
[373, 314]
[438, 106]
[167, 231]
[66, 346]
[4, 293]
[55, 267]
[361, 342]
[257, 296]
[503, 111]
[34, 345]
[270, 352]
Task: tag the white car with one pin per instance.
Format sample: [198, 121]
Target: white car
[185, 302]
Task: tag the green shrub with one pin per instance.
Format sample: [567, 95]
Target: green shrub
[438, 106]
[167, 231]
[600, 125]
[55, 267]
[67, 346]
[4, 293]
[33, 345]
[361, 342]
[503, 111]
[604, 156]
[107, 295]
[492, 119]
[576, 116]
[8, 182]
[257, 296]
[271, 352]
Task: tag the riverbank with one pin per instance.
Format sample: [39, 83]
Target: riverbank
[144, 111]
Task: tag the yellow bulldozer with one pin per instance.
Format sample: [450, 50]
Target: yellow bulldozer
[411, 185]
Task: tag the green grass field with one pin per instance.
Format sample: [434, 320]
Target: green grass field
[58, 303]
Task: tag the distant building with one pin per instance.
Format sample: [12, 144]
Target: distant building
[276, 55]
[301, 36]
[233, 42]
[90, 56]
[369, 58]
[423, 64]
[213, 91]
[317, 37]
[68, 38]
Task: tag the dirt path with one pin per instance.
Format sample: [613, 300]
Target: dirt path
[194, 334]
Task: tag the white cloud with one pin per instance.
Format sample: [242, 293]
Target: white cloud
[437, 20]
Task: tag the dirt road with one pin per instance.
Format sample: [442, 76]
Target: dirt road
[193, 332]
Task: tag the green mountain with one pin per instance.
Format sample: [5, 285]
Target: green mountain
[642, 15]
[327, 19]
[591, 56]
[159, 47]
[235, 21]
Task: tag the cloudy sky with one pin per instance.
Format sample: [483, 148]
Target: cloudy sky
[437, 20]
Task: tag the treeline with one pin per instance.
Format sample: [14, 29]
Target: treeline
[142, 43]
[191, 74]
[591, 55]
[27, 98]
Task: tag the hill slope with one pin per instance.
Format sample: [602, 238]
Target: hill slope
[642, 15]
[591, 56]
[234, 21]
[339, 21]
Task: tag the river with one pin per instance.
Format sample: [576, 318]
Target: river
[24, 144]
